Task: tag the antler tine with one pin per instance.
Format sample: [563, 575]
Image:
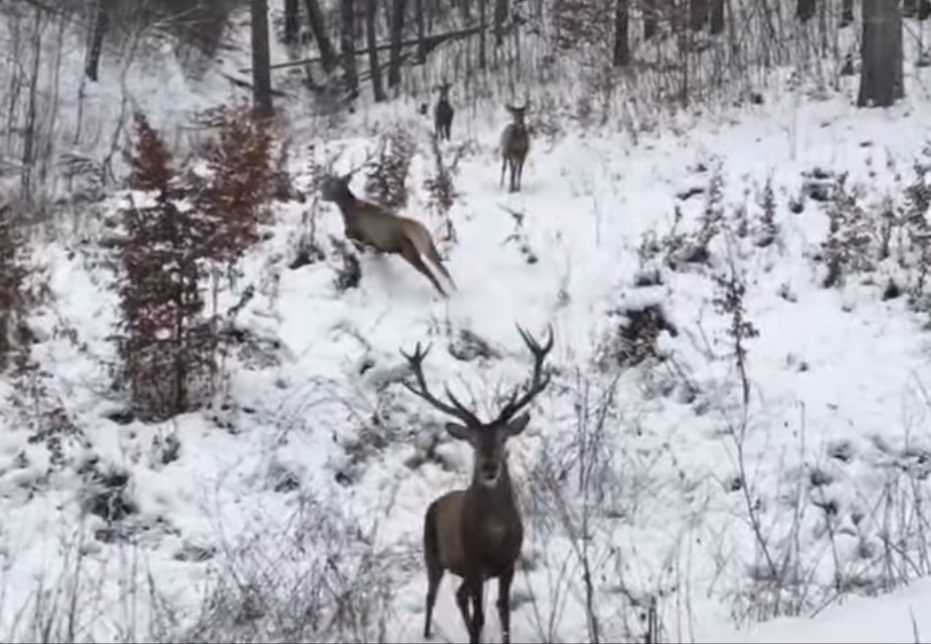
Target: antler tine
[456, 410]
[538, 382]
[369, 155]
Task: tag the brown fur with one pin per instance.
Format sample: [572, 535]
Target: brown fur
[515, 144]
[443, 113]
[477, 533]
[370, 225]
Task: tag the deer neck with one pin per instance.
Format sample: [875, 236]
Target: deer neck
[347, 203]
[497, 499]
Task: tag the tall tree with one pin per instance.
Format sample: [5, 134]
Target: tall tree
[420, 19]
[500, 15]
[650, 17]
[846, 13]
[397, 36]
[698, 13]
[292, 26]
[101, 27]
[717, 17]
[881, 81]
[347, 45]
[482, 35]
[805, 9]
[318, 29]
[621, 56]
[261, 59]
[371, 42]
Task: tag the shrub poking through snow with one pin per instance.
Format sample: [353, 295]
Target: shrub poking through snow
[233, 201]
[441, 188]
[850, 236]
[386, 173]
[14, 273]
[165, 345]
[636, 337]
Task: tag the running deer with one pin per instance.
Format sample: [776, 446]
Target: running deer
[367, 224]
[477, 533]
[515, 143]
[443, 112]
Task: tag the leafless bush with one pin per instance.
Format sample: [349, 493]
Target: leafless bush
[635, 337]
[322, 578]
[848, 247]
[387, 173]
[440, 187]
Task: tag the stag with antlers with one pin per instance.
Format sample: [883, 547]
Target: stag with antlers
[477, 533]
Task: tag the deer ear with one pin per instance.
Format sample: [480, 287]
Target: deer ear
[519, 424]
[460, 432]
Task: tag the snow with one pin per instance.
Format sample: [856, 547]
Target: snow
[834, 456]
[896, 617]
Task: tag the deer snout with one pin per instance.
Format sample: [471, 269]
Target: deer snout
[489, 471]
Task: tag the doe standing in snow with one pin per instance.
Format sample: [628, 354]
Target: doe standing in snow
[515, 143]
[443, 112]
[368, 224]
[477, 533]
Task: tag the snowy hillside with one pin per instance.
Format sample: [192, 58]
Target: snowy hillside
[292, 509]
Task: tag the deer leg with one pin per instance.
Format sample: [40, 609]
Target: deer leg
[463, 595]
[504, 165]
[478, 611]
[409, 252]
[504, 603]
[520, 174]
[434, 257]
[434, 576]
[513, 176]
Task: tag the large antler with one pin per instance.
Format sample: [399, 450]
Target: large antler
[457, 409]
[538, 382]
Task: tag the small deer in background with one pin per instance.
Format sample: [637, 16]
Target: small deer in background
[369, 225]
[443, 112]
[515, 143]
[477, 533]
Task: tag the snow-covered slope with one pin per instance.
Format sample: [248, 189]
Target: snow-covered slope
[292, 509]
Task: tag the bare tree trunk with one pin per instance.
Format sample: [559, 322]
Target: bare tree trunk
[805, 10]
[347, 46]
[318, 29]
[419, 18]
[880, 50]
[378, 86]
[500, 15]
[698, 14]
[292, 25]
[261, 59]
[397, 35]
[899, 55]
[717, 17]
[621, 33]
[846, 13]
[483, 27]
[101, 27]
[649, 19]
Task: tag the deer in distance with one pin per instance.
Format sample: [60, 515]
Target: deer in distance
[477, 533]
[367, 224]
[515, 143]
[443, 112]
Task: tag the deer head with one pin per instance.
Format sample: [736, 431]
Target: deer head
[518, 113]
[487, 439]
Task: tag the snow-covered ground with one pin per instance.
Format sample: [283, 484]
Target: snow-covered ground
[897, 617]
[306, 488]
